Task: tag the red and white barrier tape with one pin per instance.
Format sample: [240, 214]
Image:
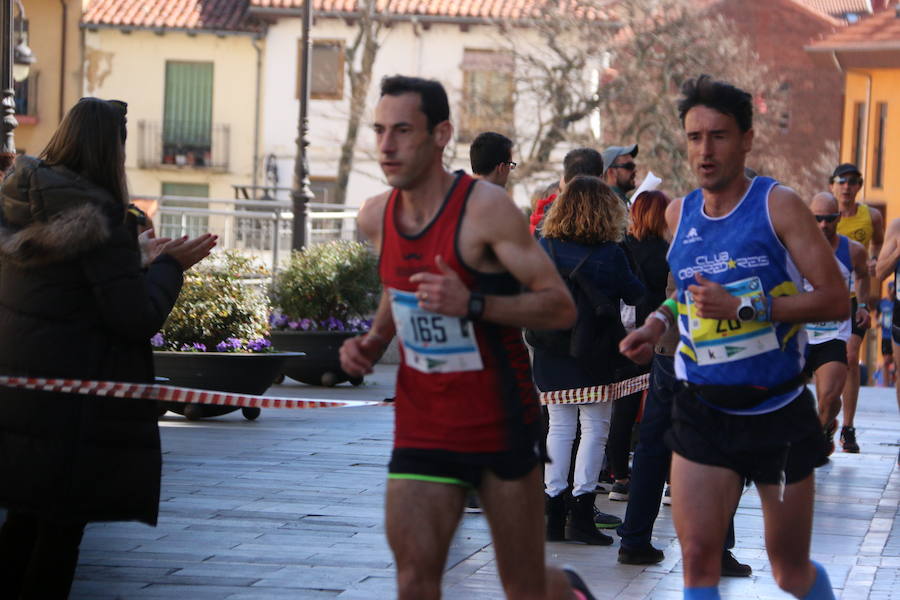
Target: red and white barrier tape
[169, 393]
[597, 393]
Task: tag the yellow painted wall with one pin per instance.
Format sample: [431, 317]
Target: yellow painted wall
[45, 39]
[132, 66]
[872, 86]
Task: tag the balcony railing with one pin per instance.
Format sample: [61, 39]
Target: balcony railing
[184, 145]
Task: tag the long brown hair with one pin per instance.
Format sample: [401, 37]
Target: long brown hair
[648, 215]
[90, 141]
[587, 212]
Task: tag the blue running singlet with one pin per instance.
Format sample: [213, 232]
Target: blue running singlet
[825, 331]
[740, 251]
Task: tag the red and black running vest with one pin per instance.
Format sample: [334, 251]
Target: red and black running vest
[492, 407]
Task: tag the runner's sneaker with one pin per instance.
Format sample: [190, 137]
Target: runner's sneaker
[829, 435]
[578, 585]
[732, 568]
[619, 492]
[848, 440]
[605, 521]
[667, 496]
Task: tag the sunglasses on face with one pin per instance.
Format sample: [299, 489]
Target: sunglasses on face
[828, 218]
[848, 180]
[629, 166]
[511, 164]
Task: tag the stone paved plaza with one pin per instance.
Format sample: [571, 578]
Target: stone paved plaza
[290, 506]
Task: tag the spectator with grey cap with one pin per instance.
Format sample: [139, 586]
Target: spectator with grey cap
[620, 169]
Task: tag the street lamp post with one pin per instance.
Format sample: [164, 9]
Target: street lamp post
[301, 193]
[8, 101]
[16, 59]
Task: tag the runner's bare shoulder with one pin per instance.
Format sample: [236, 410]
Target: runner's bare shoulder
[370, 218]
[785, 207]
[492, 210]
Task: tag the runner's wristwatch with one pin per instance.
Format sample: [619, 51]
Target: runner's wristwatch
[746, 311]
[476, 306]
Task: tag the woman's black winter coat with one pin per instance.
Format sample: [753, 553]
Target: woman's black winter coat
[75, 303]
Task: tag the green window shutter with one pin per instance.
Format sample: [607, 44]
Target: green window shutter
[192, 190]
[187, 117]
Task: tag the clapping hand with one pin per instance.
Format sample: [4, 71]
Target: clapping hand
[188, 252]
[151, 246]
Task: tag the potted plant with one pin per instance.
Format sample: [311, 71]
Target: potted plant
[215, 336]
[322, 297]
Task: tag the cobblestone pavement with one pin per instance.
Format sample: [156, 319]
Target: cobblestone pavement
[290, 506]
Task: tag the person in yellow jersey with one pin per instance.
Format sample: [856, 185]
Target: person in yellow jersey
[864, 224]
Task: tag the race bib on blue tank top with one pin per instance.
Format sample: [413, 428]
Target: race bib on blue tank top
[741, 252]
[825, 331]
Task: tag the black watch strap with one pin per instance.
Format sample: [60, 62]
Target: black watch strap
[476, 306]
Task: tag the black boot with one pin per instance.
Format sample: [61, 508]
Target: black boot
[556, 517]
[581, 524]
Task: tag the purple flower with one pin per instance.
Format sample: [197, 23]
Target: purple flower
[332, 324]
[307, 324]
[158, 341]
[195, 347]
[278, 321]
[293, 324]
[259, 345]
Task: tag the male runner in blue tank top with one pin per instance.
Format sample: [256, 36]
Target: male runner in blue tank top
[740, 250]
[826, 359]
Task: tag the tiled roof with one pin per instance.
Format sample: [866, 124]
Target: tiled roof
[838, 8]
[465, 9]
[879, 30]
[214, 15]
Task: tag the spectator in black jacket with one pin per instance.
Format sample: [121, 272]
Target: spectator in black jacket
[76, 303]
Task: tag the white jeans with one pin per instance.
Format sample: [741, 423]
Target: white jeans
[560, 435]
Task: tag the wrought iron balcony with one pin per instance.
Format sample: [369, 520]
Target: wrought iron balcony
[176, 144]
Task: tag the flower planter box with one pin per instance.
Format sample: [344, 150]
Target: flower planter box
[321, 364]
[237, 372]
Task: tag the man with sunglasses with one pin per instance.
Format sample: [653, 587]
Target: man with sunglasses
[491, 157]
[864, 224]
[620, 169]
[826, 359]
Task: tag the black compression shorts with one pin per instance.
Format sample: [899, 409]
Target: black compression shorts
[786, 444]
[826, 352]
[459, 468]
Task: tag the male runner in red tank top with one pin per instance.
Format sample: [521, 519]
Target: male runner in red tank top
[461, 276]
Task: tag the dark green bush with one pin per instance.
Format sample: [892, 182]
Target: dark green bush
[218, 303]
[327, 282]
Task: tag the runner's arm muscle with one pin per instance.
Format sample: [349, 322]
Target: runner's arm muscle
[795, 227]
[890, 252]
[862, 285]
[877, 232]
[547, 303]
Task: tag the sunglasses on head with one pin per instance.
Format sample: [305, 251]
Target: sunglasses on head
[629, 166]
[828, 218]
[850, 180]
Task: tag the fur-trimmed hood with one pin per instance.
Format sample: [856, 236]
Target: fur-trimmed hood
[50, 214]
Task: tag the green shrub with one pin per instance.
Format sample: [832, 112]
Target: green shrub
[219, 304]
[327, 286]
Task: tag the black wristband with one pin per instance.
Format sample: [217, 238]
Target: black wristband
[476, 306]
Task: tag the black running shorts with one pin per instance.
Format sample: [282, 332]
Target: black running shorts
[459, 468]
[886, 348]
[854, 330]
[787, 443]
[826, 352]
